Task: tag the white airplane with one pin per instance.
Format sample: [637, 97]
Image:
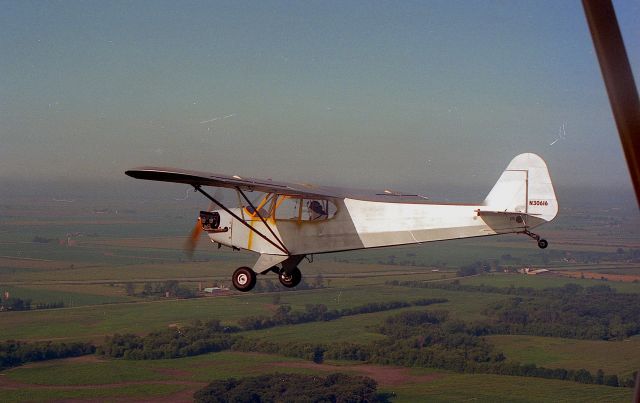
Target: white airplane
[290, 221]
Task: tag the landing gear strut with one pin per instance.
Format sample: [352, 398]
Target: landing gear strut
[542, 243]
[244, 279]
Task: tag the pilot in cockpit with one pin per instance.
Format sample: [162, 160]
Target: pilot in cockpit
[316, 212]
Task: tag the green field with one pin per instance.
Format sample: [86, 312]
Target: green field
[69, 298]
[132, 379]
[613, 357]
[143, 392]
[76, 372]
[362, 328]
[96, 321]
[544, 281]
[493, 388]
[145, 247]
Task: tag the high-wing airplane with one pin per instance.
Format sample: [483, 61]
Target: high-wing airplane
[290, 221]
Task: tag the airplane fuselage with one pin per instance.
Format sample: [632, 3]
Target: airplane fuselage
[359, 224]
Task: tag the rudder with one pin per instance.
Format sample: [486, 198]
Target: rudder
[524, 187]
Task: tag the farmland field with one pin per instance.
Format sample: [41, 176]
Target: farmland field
[545, 281]
[98, 265]
[172, 378]
[618, 357]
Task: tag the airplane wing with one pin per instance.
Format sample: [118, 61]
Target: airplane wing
[197, 178]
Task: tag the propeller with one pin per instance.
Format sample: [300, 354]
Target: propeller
[192, 241]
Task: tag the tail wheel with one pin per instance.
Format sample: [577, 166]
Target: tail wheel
[291, 279]
[244, 279]
[542, 243]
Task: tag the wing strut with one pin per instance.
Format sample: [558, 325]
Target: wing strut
[205, 194]
[262, 219]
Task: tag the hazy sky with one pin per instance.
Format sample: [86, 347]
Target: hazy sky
[403, 94]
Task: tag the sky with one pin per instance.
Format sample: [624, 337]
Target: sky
[404, 95]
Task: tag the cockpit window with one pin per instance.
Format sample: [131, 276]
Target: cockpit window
[264, 206]
[316, 209]
[288, 208]
[264, 213]
[295, 208]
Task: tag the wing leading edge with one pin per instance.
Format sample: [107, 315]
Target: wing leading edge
[196, 178]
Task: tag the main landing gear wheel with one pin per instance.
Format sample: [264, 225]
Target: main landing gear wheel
[290, 280]
[542, 243]
[244, 279]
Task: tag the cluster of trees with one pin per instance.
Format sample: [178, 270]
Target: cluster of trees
[320, 312]
[199, 338]
[581, 375]
[13, 353]
[50, 305]
[19, 304]
[416, 338]
[306, 351]
[474, 268]
[629, 254]
[15, 304]
[211, 336]
[507, 261]
[40, 239]
[172, 287]
[292, 388]
[571, 311]
[581, 315]
[456, 286]
[620, 255]
[413, 338]
[430, 339]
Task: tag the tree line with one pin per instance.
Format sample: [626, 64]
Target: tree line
[161, 289]
[14, 353]
[294, 388]
[429, 339]
[572, 311]
[320, 312]
[424, 338]
[19, 304]
[199, 338]
[413, 338]
[212, 336]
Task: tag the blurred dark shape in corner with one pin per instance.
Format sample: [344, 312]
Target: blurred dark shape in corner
[618, 79]
[621, 88]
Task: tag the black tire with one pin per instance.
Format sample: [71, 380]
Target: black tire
[291, 280]
[542, 244]
[244, 279]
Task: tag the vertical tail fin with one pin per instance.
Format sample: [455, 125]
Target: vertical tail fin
[524, 187]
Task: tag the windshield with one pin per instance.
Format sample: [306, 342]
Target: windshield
[297, 208]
